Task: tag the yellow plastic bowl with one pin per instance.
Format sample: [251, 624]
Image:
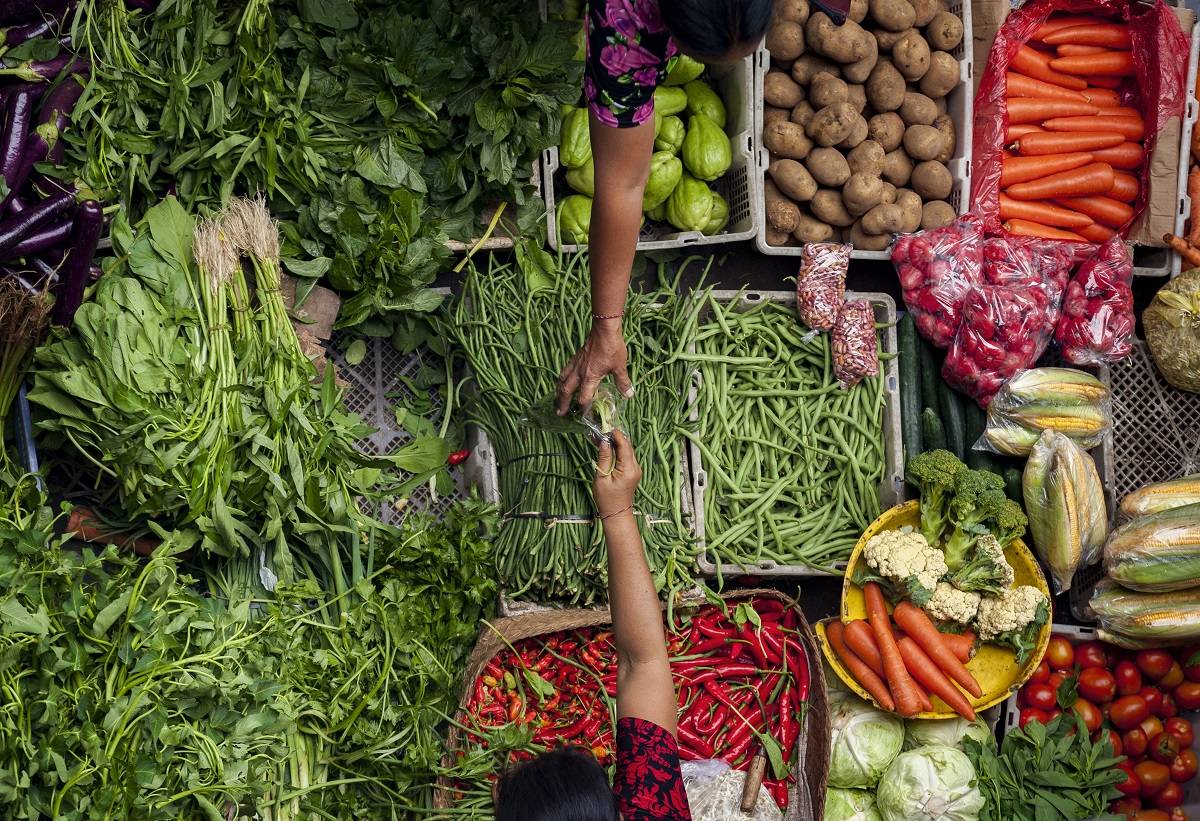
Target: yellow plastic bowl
[995, 668]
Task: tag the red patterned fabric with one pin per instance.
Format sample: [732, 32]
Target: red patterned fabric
[648, 784]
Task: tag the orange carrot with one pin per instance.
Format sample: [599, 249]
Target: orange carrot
[908, 700]
[1095, 178]
[1021, 86]
[1035, 65]
[1103, 81]
[927, 674]
[1102, 96]
[962, 645]
[920, 629]
[1112, 35]
[1097, 233]
[1025, 228]
[1072, 50]
[1118, 111]
[1065, 142]
[1193, 192]
[861, 642]
[1015, 131]
[1042, 212]
[1190, 254]
[862, 672]
[1125, 187]
[1130, 128]
[1114, 62]
[1065, 21]
[922, 696]
[1036, 109]
[1104, 210]
[1024, 169]
[1126, 155]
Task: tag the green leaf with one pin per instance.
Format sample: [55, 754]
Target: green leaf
[421, 454]
[334, 14]
[16, 618]
[307, 267]
[112, 611]
[171, 230]
[542, 688]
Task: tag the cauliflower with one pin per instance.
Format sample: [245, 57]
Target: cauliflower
[906, 562]
[948, 603]
[1013, 619]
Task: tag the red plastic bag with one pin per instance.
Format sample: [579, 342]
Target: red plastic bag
[937, 270]
[1160, 58]
[1097, 323]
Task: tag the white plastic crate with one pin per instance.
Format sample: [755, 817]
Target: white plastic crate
[736, 86]
[959, 105]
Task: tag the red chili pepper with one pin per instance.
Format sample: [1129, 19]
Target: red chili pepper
[738, 744]
[458, 457]
[797, 660]
[692, 741]
[767, 605]
[779, 791]
[710, 644]
[772, 641]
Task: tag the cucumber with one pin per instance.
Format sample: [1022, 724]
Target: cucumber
[910, 386]
[931, 430]
[976, 421]
[953, 420]
[1012, 485]
[930, 377]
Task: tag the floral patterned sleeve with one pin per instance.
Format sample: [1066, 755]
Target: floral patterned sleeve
[629, 51]
[648, 784]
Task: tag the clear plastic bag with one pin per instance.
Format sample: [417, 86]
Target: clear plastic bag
[821, 283]
[855, 354]
[714, 793]
[597, 421]
[1070, 401]
[1156, 553]
[1019, 262]
[937, 269]
[1138, 620]
[1097, 323]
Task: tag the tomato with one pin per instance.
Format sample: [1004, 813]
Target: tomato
[1183, 768]
[1033, 714]
[1167, 708]
[1153, 697]
[1177, 814]
[1149, 815]
[1134, 742]
[1125, 806]
[1097, 685]
[1189, 657]
[1041, 697]
[1091, 654]
[1173, 678]
[1169, 796]
[1163, 748]
[1132, 785]
[1114, 738]
[1151, 726]
[1154, 664]
[1153, 777]
[1088, 712]
[1187, 695]
[1053, 714]
[1040, 673]
[1056, 680]
[1129, 678]
[1179, 729]
[1059, 653]
[1128, 712]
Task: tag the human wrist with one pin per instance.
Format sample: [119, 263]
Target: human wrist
[606, 328]
[615, 512]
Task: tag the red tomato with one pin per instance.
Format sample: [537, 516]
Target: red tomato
[1153, 697]
[1187, 695]
[1129, 678]
[1040, 673]
[1154, 664]
[1169, 796]
[1091, 654]
[1153, 776]
[1183, 768]
[1128, 712]
[1125, 806]
[1151, 726]
[1041, 696]
[1177, 814]
[1053, 714]
[1167, 708]
[1114, 738]
[1132, 785]
[1134, 742]
[1033, 714]
[1173, 677]
[1163, 748]
[1059, 653]
[1097, 685]
[1179, 729]
[1088, 712]
[1056, 680]
[1189, 657]
[1149, 815]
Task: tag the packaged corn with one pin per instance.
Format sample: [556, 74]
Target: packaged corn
[1156, 553]
[1069, 401]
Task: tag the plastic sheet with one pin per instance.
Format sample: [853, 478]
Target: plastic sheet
[1070, 401]
[1097, 324]
[1156, 553]
[597, 421]
[714, 793]
[937, 270]
[821, 283]
[855, 351]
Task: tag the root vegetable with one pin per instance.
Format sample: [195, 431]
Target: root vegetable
[858, 133]
[886, 129]
[793, 179]
[1190, 254]
[1021, 86]
[1085, 181]
[858, 10]
[897, 168]
[1127, 155]
[925, 11]
[861, 193]
[809, 66]
[1096, 233]
[937, 214]
[1119, 63]
[1025, 228]
[882, 219]
[828, 167]
[1104, 210]
[787, 139]
[846, 43]
[1035, 109]
[866, 158]
[832, 124]
[1034, 64]
[893, 15]
[794, 10]
[942, 76]
[1125, 187]
[932, 180]
[826, 89]
[774, 115]
[868, 242]
[945, 31]
[1131, 128]
[889, 193]
[860, 70]
[1064, 142]
[780, 90]
[911, 56]
[802, 113]
[856, 95]
[917, 109]
[782, 213]
[910, 208]
[785, 40]
[777, 238]
[886, 39]
[1042, 212]
[945, 126]
[922, 142]
[1023, 169]
[827, 206]
[885, 87]
[810, 229]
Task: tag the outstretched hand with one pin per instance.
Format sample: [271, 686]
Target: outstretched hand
[603, 353]
[617, 475]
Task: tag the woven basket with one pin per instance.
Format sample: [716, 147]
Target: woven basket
[812, 748]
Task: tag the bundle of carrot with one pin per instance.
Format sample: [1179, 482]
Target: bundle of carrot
[1074, 141]
[1188, 246]
[902, 668]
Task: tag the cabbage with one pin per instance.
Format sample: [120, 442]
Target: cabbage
[706, 150]
[683, 69]
[701, 99]
[920, 732]
[668, 100]
[720, 215]
[575, 219]
[690, 206]
[929, 784]
[665, 171]
[583, 178]
[1172, 324]
[863, 742]
[669, 134]
[850, 805]
[575, 147]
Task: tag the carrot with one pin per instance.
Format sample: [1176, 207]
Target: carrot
[922, 696]
[922, 668]
[1095, 178]
[1193, 192]
[908, 700]
[1130, 128]
[862, 672]
[1021, 86]
[1025, 228]
[1024, 169]
[1065, 142]
[1125, 187]
[920, 629]
[1113, 35]
[1114, 62]
[1097, 233]
[1118, 111]
[861, 642]
[1126, 155]
[1065, 21]
[1104, 210]
[1102, 96]
[1015, 131]
[1190, 254]
[1072, 50]
[962, 645]
[1106, 82]
[1043, 212]
[1036, 109]
[1031, 64]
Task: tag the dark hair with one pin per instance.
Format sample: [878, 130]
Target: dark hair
[712, 28]
[566, 784]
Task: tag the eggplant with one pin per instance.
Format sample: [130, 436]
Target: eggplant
[15, 135]
[43, 239]
[73, 275]
[26, 11]
[43, 71]
[53, 117]
[15, 35]
[16, 228]
[25, 279]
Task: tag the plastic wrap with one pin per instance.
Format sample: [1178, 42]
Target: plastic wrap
[1159, 496]
[937, 270]
[714, 793]
[1064, 501]
[1070, 401]
[1156, 553]
[1019, 262]
[1097, 323]
[855, 351]
[1157, 89]
[821, 283]
[597, 421]
[1147, 619]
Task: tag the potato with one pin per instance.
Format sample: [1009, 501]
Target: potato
[866, 158]
[857, 134]
[945, 126]
[932, 180]
[785, 40]
[911, 56]
[859, 72]
[886, 39]
[893, 15]
[942, 75]
[886, 129]
[923, 142]
[827, 206]
[787, 139]
[792, 179]
[917, 109]
[832, 124]
[809, 66]
[856, 95]
[802, 113]
[941, 105]
[885, 87]
[777, 238]
[882, 219]
[794, 10]
[868, 242]
[811, 229]
[897, 167]
[828, 167]
[782, 213]
[861, 193]
[774, 115]
[825, 89]
[858, 10]
[780, 90]
[936, 214]
[910, 207]
[846, 43]
[925, 11]
[945, 31]
[889, 192]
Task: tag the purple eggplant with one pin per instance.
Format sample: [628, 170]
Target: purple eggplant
[43, 71]
[16, 228]
[15, 35]
[53, 117]
[73, 275]
[43, 239]
[15, 136]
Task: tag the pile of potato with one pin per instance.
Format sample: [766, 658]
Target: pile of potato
[855, 121]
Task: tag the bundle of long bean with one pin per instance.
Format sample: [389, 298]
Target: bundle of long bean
[793, 461]
[516, 335]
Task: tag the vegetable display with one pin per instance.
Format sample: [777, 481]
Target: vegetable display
[1170, 324]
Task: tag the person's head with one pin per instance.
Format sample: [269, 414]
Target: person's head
[717, 31]
[565, 784]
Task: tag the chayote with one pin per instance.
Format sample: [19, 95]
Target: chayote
[583, 178]
[669, 100]
[705, 148]
[683, 69]
[575, 147]
[665, 171]
[575, 219]
[703, 100]
[720, 215]
[658, 214]
[690, 206]
[669, 135]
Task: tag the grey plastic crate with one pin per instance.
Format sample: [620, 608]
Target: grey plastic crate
[891, 488]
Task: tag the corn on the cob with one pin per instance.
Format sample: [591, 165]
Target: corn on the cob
[1147, 617]
[1157, 553]
[1055, 386]
[1010, 439]
[1077, 421]
[1062, 399]
[1160, 496]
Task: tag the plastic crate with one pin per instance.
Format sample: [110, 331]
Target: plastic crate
[891, 488]
[959, 105]
[736, 86]
[500, 239]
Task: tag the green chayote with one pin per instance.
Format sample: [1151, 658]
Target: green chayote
[705, 148]
[669, 135]
[583, 178]
[683, 69]
[669, 100]
[665, 171]
[690, 206]
[575, 219]
[719, 217]
[658, 214]
[703, 100]
[575, 148]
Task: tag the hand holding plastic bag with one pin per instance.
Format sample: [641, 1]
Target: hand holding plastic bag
[597, 421]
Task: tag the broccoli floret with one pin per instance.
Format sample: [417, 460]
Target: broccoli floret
[934, 474]
[978, 500]
[1014, 619]
[986, 571]
[1009, 524]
